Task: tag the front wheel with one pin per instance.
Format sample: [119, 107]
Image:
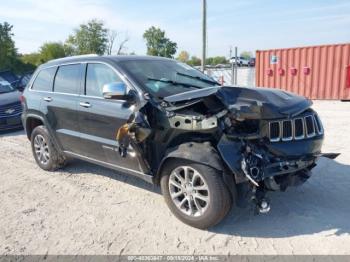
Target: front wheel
[196, 194]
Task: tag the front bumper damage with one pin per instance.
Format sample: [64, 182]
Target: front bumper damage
[258, 168]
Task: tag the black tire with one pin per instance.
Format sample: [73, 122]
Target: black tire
[220, 198]
[56, 159]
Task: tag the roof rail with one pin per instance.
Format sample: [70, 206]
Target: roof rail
[76, 56]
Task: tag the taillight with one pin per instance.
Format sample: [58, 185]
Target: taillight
[22, 99]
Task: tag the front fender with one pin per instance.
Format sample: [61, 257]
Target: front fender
[202, 153]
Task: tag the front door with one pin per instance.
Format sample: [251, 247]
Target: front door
[100, 119]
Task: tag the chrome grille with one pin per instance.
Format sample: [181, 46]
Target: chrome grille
[275, 131]
[295, 129]
[310, 126]
[318, 123]
[298, 128]
[287, 130]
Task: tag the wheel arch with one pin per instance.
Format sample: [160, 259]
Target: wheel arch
[32, 121]
[202, 153]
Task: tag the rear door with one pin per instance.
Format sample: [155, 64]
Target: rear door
[100, 119]
[61, 106]
[40, 88]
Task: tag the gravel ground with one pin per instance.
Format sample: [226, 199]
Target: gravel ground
[86, 209]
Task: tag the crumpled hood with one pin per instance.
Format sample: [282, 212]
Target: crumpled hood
[9, 98]
[252, 103]
[269, 103]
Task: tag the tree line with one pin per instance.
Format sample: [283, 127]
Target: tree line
[92, 37]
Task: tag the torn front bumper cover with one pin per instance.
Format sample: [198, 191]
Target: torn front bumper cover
[260, 167]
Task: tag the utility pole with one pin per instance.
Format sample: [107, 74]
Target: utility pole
[204, 32]
[236, 65]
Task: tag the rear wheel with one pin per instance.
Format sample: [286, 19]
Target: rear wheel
[195, 193]
[44, 151]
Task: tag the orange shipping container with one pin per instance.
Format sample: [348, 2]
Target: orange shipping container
[317, 72]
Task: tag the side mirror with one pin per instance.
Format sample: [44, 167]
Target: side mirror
[115, 90]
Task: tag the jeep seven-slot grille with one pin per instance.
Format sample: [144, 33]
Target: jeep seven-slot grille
[295, 129]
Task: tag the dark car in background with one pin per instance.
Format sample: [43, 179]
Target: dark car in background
[18, 82]
[10, 107]
[251, 62]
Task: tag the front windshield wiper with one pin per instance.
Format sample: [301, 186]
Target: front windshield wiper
[173, 82]
[199, 78]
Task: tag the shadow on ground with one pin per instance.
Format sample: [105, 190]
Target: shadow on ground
[78, 167]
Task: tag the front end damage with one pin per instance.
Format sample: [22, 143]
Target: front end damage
[266, 140]
[258, 170]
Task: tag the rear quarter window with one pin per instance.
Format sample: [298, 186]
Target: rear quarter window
[67, 79]
[44, 79]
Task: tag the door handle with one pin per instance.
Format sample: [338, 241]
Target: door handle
[48, 99]
[85, 104]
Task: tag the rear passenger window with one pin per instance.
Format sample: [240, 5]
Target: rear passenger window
[97, 75]
[43, 82]
[67, 79]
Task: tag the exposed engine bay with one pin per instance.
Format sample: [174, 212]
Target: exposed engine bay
[263, 140]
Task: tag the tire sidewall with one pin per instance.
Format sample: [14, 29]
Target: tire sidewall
[41, 130]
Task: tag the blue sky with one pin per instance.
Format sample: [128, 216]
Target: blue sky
[248, 24]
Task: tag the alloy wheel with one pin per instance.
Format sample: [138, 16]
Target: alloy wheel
[189, 191]
[41, 149]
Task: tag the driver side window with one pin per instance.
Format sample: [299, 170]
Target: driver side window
[97, 75]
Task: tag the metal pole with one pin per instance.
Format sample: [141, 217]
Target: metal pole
[236, 51]
[232, 67]
[204, 32]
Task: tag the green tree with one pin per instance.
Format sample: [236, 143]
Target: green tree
[219, 60]
[8, 51]
[9, 58]
[183, 57]
[47, 51]
[194, 61]
[158, 44]
[32, 58]
[246, 54]
[51, 50]
[23, 66]
[209, 61]
[216, 60]
[90, 38]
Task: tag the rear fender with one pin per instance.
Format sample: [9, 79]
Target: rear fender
[38, 116]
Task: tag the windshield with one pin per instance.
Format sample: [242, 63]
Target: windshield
[5, 87]
[164, 78]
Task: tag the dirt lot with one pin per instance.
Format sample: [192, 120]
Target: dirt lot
[86, 209]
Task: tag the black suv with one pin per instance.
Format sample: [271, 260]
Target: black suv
[207, 146]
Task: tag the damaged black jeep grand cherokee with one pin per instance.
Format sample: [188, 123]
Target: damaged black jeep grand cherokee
[207, 146]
